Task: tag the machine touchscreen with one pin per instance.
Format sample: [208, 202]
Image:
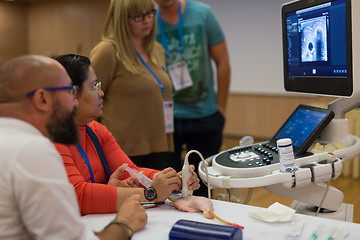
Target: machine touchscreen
[303, 126]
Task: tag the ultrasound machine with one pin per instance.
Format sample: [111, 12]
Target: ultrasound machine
[321, 40]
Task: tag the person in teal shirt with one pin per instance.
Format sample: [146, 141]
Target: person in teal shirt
[192, 37]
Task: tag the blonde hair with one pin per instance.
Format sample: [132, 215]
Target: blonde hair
[117, 31]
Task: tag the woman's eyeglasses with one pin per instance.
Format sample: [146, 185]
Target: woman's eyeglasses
[97, 87]
[141, 17]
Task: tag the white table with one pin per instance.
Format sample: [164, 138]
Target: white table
[161, 220]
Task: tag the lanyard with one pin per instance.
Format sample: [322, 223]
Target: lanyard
[163, 35]
[82, 152]
[147, 66]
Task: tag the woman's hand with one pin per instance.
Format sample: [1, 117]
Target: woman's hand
[165, 182]
[129, 182]
[194, 181]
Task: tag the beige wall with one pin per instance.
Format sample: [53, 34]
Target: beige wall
[74, 26]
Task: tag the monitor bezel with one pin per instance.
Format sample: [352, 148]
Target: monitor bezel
[330, 86]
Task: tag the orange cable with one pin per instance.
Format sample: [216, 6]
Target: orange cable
[223, 221]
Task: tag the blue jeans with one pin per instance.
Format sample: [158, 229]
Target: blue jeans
[201, 134]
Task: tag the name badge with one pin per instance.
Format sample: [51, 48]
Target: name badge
[180, 75]
[169, 116]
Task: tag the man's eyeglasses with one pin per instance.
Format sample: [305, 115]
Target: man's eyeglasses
[72, 89]
[140, 17]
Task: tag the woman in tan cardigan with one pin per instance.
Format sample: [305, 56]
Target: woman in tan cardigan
[138, 93]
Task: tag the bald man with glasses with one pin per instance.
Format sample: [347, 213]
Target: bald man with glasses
[37, 107]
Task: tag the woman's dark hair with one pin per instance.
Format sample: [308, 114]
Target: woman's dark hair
[76, 66]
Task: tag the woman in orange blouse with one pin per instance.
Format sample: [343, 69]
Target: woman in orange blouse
[97, 192]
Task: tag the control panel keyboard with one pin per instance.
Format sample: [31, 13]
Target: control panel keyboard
[256, 155]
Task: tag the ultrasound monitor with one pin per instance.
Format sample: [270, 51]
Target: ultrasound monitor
[317, 47]
[321, 46]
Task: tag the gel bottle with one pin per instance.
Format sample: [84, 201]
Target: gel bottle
[286, 155]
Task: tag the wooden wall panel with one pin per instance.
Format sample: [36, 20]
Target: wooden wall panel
[75, 26]
[97, 14]
[13, 30]
[66, 26]
[261, 116]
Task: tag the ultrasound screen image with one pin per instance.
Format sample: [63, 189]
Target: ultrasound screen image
[314, 40]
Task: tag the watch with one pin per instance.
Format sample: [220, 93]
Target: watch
[150, 193]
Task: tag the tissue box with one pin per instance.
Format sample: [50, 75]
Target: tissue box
[188, 230]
